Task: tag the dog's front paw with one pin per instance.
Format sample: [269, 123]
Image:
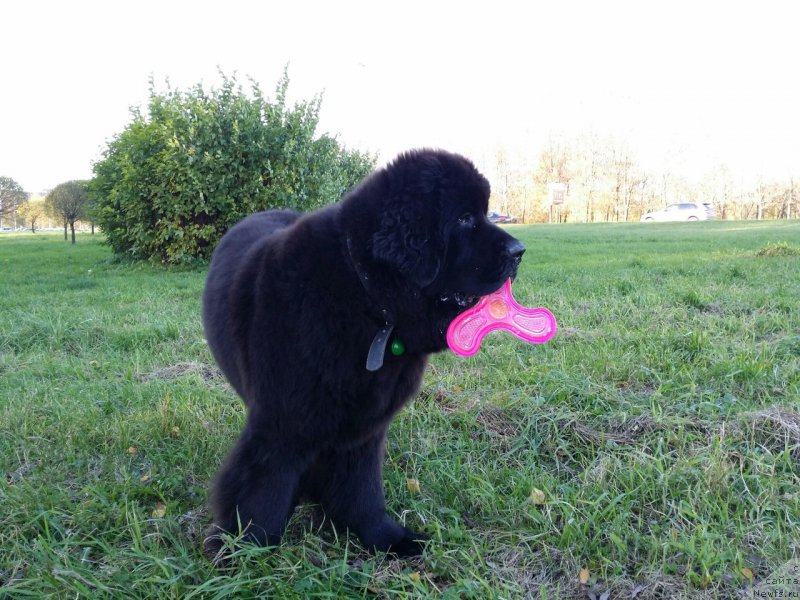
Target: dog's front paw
[411, 544]
[391, 537]
[214, 548]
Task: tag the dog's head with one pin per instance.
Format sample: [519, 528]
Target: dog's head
[418, 238]
[434, 229]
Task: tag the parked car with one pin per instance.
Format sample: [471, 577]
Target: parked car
[682, 211]
[496, 217]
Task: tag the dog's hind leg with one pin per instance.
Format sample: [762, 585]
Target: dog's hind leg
[256, 488]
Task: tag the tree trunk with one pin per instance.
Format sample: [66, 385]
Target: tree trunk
[72, 227]
[65, 231]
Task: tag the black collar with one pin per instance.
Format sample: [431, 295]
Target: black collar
[377, 349]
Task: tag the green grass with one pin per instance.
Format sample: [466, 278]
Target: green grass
[661, 427]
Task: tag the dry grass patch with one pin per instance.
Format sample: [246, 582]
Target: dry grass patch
[211, 376]
[776, 428]
[624, 432]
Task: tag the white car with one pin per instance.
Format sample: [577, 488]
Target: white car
[683, 211]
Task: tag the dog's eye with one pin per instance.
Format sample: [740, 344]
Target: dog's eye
[466, 220]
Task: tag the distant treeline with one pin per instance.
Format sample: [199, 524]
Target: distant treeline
[605, 183]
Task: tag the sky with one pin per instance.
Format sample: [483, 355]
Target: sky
[688, 85]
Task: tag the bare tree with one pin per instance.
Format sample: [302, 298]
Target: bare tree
[720, 190]
[592, 174]
[502, 171]
[624, 182]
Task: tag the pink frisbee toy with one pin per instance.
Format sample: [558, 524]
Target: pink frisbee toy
[499, 310]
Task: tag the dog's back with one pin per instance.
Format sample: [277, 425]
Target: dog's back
[231, 262]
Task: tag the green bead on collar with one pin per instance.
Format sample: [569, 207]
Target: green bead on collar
[398, 347]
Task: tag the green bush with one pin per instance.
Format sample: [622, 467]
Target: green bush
[176, 179]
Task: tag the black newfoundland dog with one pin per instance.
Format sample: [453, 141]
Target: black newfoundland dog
[323, 324]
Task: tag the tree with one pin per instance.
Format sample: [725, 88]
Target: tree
[587, 183]
[11, 196]
[178, 177]
[32, 211]
[719, 189]
[68, 202]
[790, 195]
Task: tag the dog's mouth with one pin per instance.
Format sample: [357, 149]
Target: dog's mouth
[466, 300]
[459, 299]
[482, 286]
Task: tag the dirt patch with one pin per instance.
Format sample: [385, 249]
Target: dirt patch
[449, 401]
[502, 424]
[19, 473]
[437, 395]
[194, 523]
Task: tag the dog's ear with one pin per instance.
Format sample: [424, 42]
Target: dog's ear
[409, 235]
[409, 240]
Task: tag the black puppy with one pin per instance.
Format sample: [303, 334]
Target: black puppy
[323, 324]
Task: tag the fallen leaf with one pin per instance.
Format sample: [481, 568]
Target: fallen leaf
[415, 576]
[176, 432]
[747, 572]
[159, 511]
[94, 363]
[144, 478]
[132, 450]
[583, 576]
[413, 485]
[537, 496]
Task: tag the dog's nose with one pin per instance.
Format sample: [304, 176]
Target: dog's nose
[515, 249]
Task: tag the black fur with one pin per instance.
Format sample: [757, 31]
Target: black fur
[291, 307]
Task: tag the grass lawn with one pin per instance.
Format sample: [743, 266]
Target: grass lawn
[651, 449]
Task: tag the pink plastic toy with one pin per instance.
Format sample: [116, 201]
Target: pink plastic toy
[499, 310]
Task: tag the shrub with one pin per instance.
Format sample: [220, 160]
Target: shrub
[176, 179]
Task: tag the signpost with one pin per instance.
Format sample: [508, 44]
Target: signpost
[558, 192]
